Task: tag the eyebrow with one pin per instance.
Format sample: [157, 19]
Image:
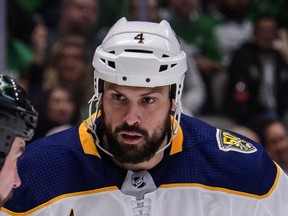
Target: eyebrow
[154, 90]
[157, 89]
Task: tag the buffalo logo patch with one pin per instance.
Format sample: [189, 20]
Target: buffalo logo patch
[229, 142]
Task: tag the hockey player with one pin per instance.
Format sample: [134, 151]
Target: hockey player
[137, 155]
[17, 123]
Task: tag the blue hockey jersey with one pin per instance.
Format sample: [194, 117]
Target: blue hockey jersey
[205, 172]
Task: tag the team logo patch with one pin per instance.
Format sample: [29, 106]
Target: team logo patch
[229, 142]
[138, 182]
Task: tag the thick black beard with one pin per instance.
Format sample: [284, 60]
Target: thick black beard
[134, 154]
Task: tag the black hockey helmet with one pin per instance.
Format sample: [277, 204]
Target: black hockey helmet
[18, 117]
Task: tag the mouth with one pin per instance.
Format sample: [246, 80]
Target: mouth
[131, 138]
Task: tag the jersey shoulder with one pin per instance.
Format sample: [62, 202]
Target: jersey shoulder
[54, 166]
[221, 158]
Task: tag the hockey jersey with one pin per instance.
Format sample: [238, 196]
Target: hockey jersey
[205, 172]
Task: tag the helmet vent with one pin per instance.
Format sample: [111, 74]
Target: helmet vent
[165, 56]
[111, 64]
[163, 68]
[173, 65]
[138, 51]
[103, 60]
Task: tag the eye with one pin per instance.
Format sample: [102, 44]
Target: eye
[118, 97]
[148, 100]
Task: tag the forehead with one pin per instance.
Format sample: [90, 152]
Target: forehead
[59, 92]
[133, 89]
[275, 129]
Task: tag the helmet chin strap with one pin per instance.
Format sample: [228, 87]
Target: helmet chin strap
[92, 125]
[175, 125]
[92, 119]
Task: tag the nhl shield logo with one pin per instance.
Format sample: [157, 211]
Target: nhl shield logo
[138, 182]
[229, 142]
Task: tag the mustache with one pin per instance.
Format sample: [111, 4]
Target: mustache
[131, 128]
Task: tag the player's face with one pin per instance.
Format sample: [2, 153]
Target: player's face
[136, 121]
[9, 177]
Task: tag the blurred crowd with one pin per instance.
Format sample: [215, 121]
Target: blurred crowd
[237, 58]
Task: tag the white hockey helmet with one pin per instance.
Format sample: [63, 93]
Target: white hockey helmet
[142, 54]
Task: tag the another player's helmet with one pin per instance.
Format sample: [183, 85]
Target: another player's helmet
[18, 117]
[141, 54]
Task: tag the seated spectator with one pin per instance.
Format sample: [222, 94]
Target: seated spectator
[60, 110]
[77, 17]
[274, 137]
[234, 26]
[67, 66]
[257, 77]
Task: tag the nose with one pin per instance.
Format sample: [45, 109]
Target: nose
[132, 114]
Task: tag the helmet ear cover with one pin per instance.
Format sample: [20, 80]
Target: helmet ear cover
[10, 127]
